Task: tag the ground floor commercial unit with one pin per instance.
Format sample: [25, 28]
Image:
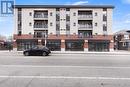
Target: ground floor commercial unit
[65, 43]
[122, 45]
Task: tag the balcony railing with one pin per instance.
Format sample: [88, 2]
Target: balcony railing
[85, 36]
[85, 27]
[40, 17]
[85, 17]
[40, 27]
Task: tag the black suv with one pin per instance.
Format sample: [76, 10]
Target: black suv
[37, 50]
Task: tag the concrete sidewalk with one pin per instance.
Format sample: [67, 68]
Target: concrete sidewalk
[76, 52]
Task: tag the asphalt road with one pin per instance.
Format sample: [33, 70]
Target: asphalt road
[64, 70]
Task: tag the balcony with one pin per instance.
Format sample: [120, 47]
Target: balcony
[85, 34]
[85, 27]
[40, 34]
[41, 27]
[40, 15]
[85, 17]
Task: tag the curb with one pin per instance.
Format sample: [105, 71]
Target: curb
[73, 52]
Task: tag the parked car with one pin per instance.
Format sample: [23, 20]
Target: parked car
[37, 50]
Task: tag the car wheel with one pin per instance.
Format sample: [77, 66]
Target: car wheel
[26, 53]
[44, 53]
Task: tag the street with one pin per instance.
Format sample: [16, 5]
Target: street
[64, 70]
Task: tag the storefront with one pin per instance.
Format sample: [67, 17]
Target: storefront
[74, 45]
[94, 45]
[25, 44]
[54, 45]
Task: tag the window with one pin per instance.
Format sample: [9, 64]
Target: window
[74, 24]
[126, 36]
[95, 24]
[95, 13]
[30, 13]
[57, 9]
[67, 9]
[50, 13]
[96, 33]
[104, 9]
[74, 14]
[104, 27]
[30, 24]
[124, 44]
[104, 17]
[51, 24]
[19, 32]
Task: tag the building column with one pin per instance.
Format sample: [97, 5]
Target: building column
[62, 45]
[86, 45]
[111, 46]
[14, 45]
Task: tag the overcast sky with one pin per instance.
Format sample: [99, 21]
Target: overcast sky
[121, 13]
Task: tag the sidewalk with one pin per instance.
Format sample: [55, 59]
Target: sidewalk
[83, 52]
[120, 52]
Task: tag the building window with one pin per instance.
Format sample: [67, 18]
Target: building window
[95, 13]
[30, 33]
[74, 14]
[104, 27]
[124, 44]
[96, 33]
[50, 13]
[74, 24]
[57, 9]
[30, 24]
[19, 33]
[126, 36]
[104, 17]
[51, 24]
[104, 9]
[67, 9]
[30, 13]
[95, 24]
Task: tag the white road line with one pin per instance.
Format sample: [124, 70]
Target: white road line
[44, 66]
[65, 77]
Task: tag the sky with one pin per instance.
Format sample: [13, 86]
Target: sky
[121, 12]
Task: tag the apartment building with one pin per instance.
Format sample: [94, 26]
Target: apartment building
[122, 40]
[64, 27]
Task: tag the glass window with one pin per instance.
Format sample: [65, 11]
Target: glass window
[50, 13]
[104, 9]
[51, 24]
[30, 24]
[67, 9]
[74, 14]
[74, 24]
[126, 36]
[30, 14]
[95, 24]
[95, 13]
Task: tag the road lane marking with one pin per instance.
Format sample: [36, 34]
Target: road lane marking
[44, 66]
[65, 77]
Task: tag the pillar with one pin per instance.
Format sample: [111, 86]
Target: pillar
[86, 45]
[62, 45]
[14, 45]
[111, 46]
